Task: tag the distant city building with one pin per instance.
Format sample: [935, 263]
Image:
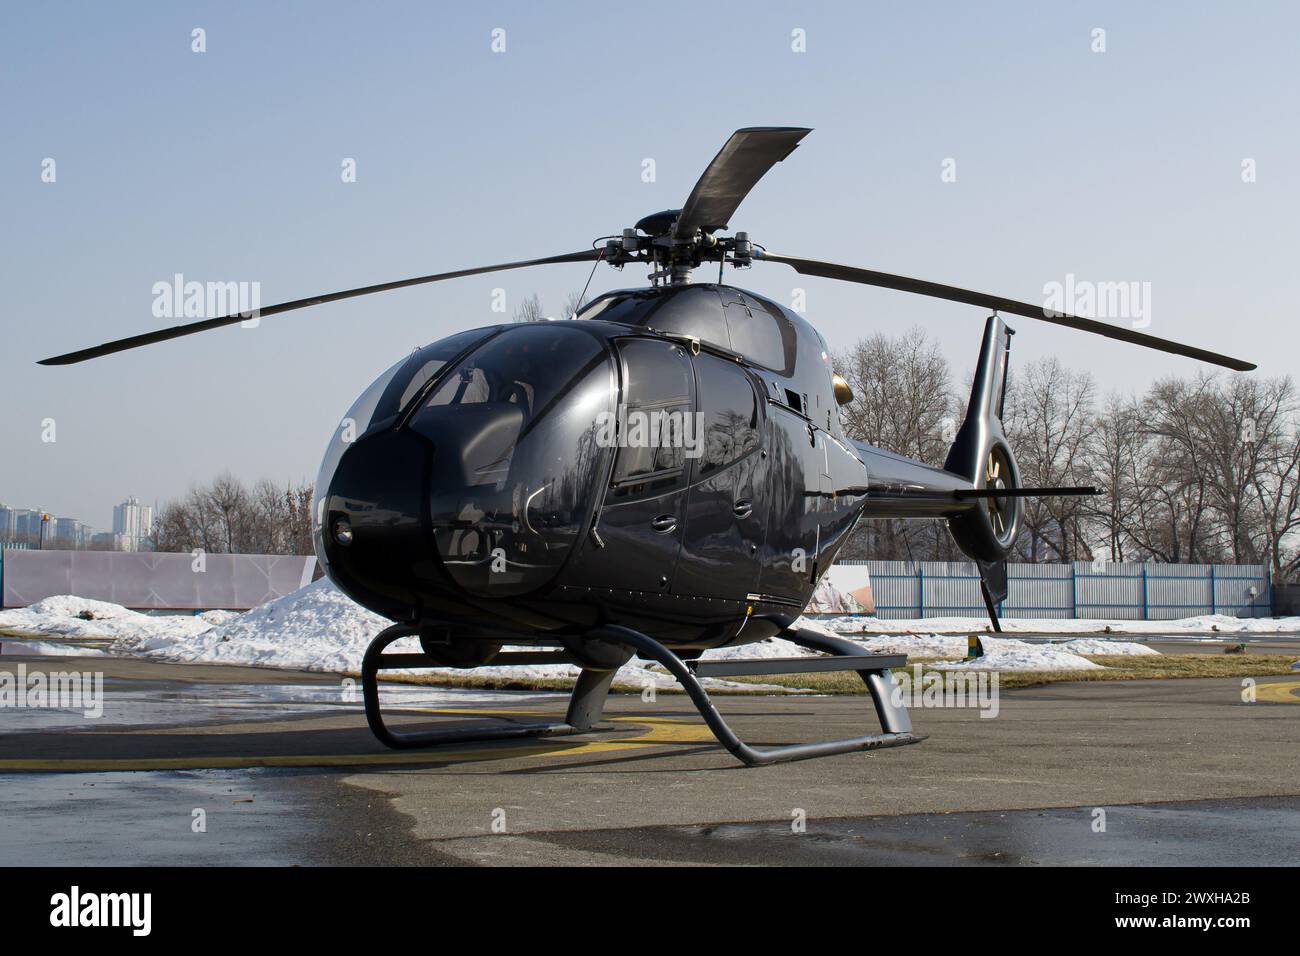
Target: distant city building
[67, 533]
[27, 523]
[27, 527]
[132, 523]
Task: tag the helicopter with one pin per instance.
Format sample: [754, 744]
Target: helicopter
[663, 474]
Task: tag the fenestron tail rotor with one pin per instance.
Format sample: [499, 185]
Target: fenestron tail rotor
[994, 481]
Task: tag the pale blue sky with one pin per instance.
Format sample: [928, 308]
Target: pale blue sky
[225, 165]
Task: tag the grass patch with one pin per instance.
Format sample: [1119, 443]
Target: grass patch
[1117, 667]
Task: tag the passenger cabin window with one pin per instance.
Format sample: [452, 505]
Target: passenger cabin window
[655, 409]
[692, 311]
[730, 410]
[758, 334]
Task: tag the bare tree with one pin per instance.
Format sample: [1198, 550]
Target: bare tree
[1116, 442]
[226, 517]
[1173, 515]
[1049, 420]
[1247, 427]
[572, 303]
[529, 310]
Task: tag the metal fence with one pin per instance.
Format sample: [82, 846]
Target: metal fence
[1130, 591]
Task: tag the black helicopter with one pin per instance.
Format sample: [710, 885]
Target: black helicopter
[664, 474]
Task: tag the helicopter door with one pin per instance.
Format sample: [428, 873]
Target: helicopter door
[794, 483]
[725, 509]
[641, 522]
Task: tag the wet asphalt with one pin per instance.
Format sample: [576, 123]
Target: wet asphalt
[204, 764]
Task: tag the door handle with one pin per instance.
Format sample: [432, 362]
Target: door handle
[665, 524]
[744, 508]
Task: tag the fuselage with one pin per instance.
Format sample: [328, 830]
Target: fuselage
[672, 460]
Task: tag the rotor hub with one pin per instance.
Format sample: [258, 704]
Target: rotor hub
[656, 241]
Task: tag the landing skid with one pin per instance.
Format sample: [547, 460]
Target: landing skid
[589, 695]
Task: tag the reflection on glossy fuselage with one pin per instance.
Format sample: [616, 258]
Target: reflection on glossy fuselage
[478, 484]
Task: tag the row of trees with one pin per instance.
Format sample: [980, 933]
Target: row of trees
[1202, 469]
[228, 517]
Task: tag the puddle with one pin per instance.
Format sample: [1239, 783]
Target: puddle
[98, 819]
[126, 703]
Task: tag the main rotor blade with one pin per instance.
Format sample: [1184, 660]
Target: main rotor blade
[743, 160]
[885, 280]
[162, 335]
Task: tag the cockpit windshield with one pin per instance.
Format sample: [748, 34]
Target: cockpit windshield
[515, 458]
[387, 395]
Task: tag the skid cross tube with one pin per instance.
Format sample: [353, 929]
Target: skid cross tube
[894, 722]
[585, 706]
[589, 695]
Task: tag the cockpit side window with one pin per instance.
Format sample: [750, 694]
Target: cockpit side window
[730, 410]
[654, 420]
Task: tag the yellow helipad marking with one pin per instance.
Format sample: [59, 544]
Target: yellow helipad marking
[662, 730]
[1279, 692]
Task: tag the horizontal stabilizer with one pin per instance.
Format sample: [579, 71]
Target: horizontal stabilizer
[1067, 492]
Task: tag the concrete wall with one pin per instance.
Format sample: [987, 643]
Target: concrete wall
[152, 580]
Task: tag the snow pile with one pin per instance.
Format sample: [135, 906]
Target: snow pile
[80, 619]
[1001, 654]
[319, 628]
[1093, 645]
[314, 628]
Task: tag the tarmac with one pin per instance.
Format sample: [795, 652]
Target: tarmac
[214, 764]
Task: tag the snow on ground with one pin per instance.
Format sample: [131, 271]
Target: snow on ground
[1001, 654]
[1092, 645]
[1065, 653]
[319, 628]
[1204, 624]
[75, 618]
